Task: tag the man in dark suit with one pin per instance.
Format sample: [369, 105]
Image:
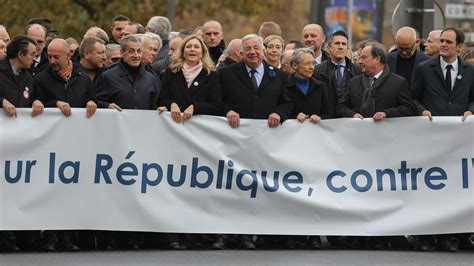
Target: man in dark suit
[253, 89]
[338, 71]
[439, 92]
[444, 86]
[407, 56]
[38, 33]
[314, 38]
[377, 93]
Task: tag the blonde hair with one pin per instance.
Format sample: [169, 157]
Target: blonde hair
[177, 60]
[273, 37]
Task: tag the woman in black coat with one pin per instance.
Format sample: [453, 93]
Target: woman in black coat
[191, 84]
[307, 94]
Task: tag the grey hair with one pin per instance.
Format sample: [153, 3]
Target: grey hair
[252, 36]
[299, 53]
[155, 37]
[130, 38]
[111, 47]
[160, 25]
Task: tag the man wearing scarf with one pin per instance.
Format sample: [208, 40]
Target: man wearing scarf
[62, 84]
[377, 93]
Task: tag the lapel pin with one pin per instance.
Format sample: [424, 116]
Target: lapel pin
[459, 77]
[195, 83]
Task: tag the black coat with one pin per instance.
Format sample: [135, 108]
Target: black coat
[392, 59]
[164, 50]
[77, 91]
[325, 72]
[239, 95]
[204, 93]
[43, 63]
[116, 85]
[390, 92]
[216, 52]
[314, 103]
[430, 92]
[160, 66]
[18, 91]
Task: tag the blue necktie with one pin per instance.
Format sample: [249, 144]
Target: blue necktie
[339, 75]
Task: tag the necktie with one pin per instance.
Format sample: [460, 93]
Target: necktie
[448, 77]
[339, 75]
[372, 81]
[253, 78]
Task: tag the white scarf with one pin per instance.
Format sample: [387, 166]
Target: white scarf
[191, 72]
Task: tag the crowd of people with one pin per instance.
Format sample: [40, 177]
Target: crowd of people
[260, 76]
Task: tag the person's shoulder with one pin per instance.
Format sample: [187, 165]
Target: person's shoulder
[231, 68]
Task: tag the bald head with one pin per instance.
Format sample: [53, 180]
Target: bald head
[313, 37]
[406, 42]
[212, 32]
[233, 50]
[432, 43]
[38, 33]
[4, 36]
[285, 61]
[58, 54]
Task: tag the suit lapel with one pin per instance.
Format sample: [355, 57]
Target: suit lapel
[244, 77]
[458, 80]
[437, 69]
[266, 78]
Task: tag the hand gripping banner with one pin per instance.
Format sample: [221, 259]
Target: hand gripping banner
[140, 171]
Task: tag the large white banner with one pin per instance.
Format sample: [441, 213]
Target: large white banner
[137, 170]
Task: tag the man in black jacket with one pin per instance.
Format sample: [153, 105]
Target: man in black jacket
[16, 84]
[38, 33]
[62, 84]
[214, 39]
[16, 91]
[338, 71]
[313, 37]
[377, 93]
[128, 85]
[439, 94]
[407, 56]
[253, 89]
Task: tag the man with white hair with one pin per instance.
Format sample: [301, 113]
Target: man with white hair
[161, 26]
[407, 56]
[232, 53]
[253, 89]
[4, 36]
[432, 43]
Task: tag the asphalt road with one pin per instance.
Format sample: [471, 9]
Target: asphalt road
[238, 257]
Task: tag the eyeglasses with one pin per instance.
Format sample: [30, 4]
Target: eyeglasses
[115, 59]
[407, 50]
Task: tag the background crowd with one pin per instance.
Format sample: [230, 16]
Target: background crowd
[260, 76]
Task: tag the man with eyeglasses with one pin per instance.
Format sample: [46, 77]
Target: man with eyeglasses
[407, 56]
[38, 33]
